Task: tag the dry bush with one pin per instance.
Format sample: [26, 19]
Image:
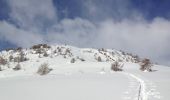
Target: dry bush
[40, 46]
[44, 69]
[18, 49]
[17, 67]
[116, 66]
[59, 49]
[64, 56]
[3, 61]
[45, 54]
[16, 59]
[55, 51]
[22, 57]
[67, 51]
[11, 58]
[136, 58]
[146, 65]
[99, 59]
[39, 51]
[0, 68]
[82, 59]
[73, 60]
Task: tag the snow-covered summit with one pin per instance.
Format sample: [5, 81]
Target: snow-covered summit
[88, 54]
[26, 61]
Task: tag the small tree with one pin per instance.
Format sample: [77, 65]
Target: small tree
[22, 57]
[146, 65]
[17, 59]
[45, 54]
[39, 51]
[0, 68]
[17, 67]
[99, 59]
[3, 61]
[10, 58]
[59, 49]
[44, 69]
[82, 59]
[67, 51]
[73, 60]
[64, 56]
[136, 58]
[116, 66]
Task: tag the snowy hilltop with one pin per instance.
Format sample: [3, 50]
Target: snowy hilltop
[29, 59]
[80, 74]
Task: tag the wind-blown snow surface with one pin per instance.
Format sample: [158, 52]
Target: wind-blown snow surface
[82, 80]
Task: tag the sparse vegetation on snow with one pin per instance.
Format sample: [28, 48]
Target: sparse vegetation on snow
[73, 60]
[146, 65]
[44, 69]
[17, 67]
[116, 66]
[3, 61]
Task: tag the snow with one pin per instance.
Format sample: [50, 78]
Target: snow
[82, 80]
[64, 87]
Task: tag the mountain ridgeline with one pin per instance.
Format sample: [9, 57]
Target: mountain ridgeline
[44, 55]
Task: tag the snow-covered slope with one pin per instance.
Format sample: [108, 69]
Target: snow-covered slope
[58, 57]
[86, 78]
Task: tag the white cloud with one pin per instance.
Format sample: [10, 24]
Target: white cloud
[33, 15]
[148, 39]
[18, 36]
[72, 31]
[99, 10]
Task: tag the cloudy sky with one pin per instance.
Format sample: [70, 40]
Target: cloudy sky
[138, 26]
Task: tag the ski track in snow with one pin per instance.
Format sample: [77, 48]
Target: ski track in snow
[142, 95]
[146, 89]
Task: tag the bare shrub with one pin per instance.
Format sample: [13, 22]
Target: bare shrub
[22, 57]
[136, 58]
[11, 58]
[45, 54]
[82, 59]
[102, 49]
[73, 60]
[116, 66]
[59, 49]
[44, 69]
[64, 56]
[67, 51]
[16, 59]
[17, 67]
[99, 59]
[3, 61]
[39, 51]
[0, 68]
[146, 65]
[55, 51]
[18, 49]
[40, 46]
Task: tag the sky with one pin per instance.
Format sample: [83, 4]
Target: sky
[140, 27]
